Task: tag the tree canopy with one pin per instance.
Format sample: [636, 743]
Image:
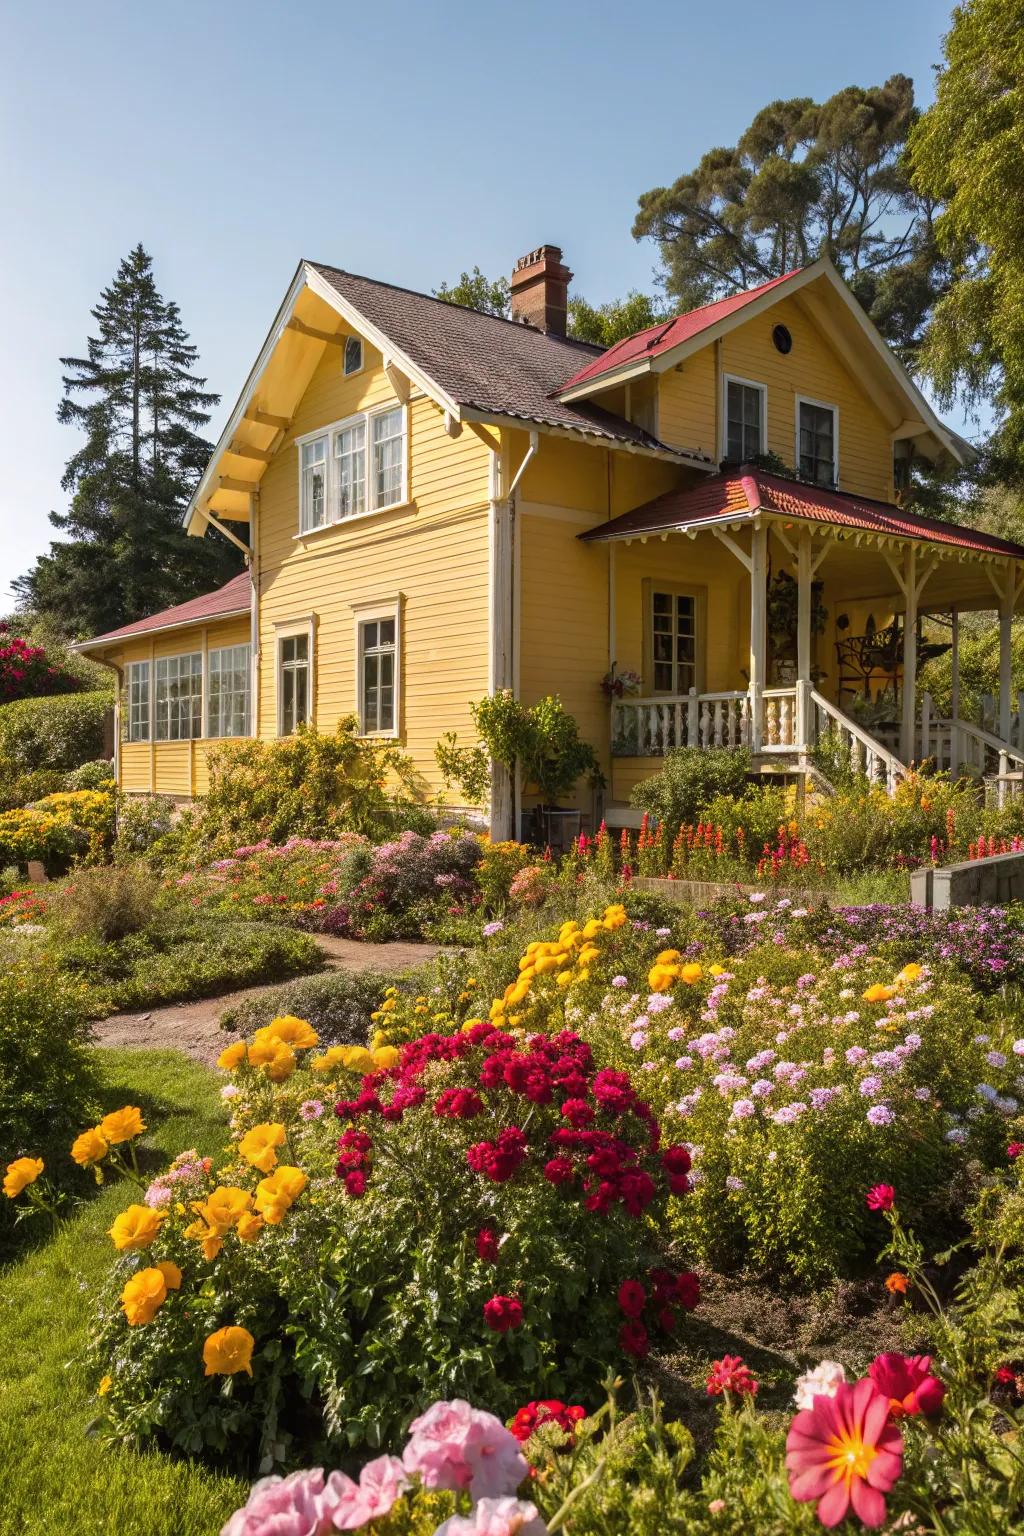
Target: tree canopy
[603, 324]
[140, 406]
[807, 179]
[967, 152]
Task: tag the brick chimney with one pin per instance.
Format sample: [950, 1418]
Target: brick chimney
[540, 290]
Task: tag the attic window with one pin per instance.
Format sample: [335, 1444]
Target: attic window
[782, 339]
[353, 355]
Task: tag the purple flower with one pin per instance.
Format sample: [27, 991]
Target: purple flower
[880, 1114]
[742, 1109]
[311, 1109]
[617, 981]
[490, 929]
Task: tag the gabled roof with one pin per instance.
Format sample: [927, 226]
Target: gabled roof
[660, 338]
[743, 493]
[232, 598]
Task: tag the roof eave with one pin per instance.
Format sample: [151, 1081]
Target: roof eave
[596, 438]
[104, 642]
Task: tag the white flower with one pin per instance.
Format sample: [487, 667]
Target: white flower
[229, 1091]
[823, 1381]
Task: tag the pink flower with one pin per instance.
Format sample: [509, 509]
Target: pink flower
[881, 1197]
[845, 1451]
[352, 1505]
[908, 1383]
[455, 1446]
[730, 1374]
[496, 1517]
[290, 1506]
[487, 1245]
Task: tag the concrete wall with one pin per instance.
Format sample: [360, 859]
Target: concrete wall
[979, 883]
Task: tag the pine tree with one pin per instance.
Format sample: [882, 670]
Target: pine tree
[141, 406]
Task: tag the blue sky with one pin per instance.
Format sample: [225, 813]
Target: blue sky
[403, 140]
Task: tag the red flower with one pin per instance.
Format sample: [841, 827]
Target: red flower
[487, 1245]
[845, 1451]
[676, 1160]
[558, 1170]
[613, 1091]
[503, 1313]
[687, 1291]
[355, 1183]
[578, 1113]
[1014, 1150]
[632, 1298]
[666, 1319]
[881, 1197]
[731, 1375]
[1005, 1375]
[633, 1339]
[548, 1410]
[458, 1104]
[908, 1383]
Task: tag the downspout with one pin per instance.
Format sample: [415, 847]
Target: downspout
[118, 687]
[254, 611]
[532, 450]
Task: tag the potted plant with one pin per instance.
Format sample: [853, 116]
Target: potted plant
[616, 684]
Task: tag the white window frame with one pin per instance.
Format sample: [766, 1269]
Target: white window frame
[131, 669]
[287, 631]
[346, 370]
[327, 435]
[699, 597]
[218, 650]
[308, 442]
[822, 405]
[369, 613]
[762, 389]
[163, 661]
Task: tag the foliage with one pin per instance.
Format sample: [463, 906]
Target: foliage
[689, 780]
[58, 733]
[141, 407]
[21, 789]
[474, 291]
[967, 151]
[337, 1004]
[807, 179]
[98, 774]
[306, 785]
[45, 1078]
[25, 670]
[406, 885]
[542, 739]
[105, 904]
[468, 767]
[979, 670]
[783, 608]
[52, 839]
[142, 822]
[602, 324]
[91, 810]
[386, 1295]
[57, 1474]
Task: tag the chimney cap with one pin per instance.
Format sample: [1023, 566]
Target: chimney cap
[541, 253]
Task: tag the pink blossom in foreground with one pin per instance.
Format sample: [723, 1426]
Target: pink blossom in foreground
[496, 1517]
[455, 1446]
[353, 1505]
[845, 1452]
[289, 1506]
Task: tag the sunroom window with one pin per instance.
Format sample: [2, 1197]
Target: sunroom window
[179, 697]
[229, 680]
[137, 680]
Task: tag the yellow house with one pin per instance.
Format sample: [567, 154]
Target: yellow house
[435, 503]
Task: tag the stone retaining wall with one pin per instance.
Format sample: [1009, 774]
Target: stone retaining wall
[979, 883]
[700, 892]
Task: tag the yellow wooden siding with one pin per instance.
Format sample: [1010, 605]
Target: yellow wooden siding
[432, 553]
[687, 408]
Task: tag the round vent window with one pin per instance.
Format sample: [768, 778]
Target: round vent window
[782, 339]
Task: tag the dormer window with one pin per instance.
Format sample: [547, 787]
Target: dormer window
[746, 422]
[817, 442]
[353, 355]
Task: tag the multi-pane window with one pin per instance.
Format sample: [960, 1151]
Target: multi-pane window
[377, 674]
[744, 421]
[388, 454]
[229, 691]
[816, 439]
[335, 478]
[138, 700]
[178, 708]
[673, 642]
[313, 492]
[350, 465]
[293, 681]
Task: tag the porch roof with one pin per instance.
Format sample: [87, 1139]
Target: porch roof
[741, 495]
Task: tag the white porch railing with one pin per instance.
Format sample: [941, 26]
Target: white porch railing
[651, 727]
[958, 746]
[867, 755]
[779, 729]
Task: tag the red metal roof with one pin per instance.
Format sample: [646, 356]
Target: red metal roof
[233, 597]
[670, 333]
[744, 491]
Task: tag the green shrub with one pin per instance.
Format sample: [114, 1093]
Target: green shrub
[143, 823]
[60, 733]
[106, 903]
[338, 1004]
[46, 1082]
[203, 962]
[688, 782]
[53, 839]
[98, 774]
[21, 789]
[759, 811]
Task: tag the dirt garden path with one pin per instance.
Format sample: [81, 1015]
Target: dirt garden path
[193, 1027]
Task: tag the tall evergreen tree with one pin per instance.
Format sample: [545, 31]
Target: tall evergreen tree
[141, 406]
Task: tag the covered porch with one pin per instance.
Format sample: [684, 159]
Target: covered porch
[758, 612]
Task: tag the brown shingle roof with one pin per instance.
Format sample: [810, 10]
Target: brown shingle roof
[496, 366]
[231, 598]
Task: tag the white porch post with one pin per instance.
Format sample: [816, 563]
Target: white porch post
[804, 577]
[909, 656]
[758, 631]
[1005, 654]
[501, 810]
[954, 693]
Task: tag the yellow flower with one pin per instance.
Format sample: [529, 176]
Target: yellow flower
[356, 1058]
[277, 1193]
[667, 957]
[563, 978]
[716, 970]
[222, 1209]
[20, 1174]
[171, 1274]
[232, 1056]
[386, 1056]
[297, 1033]
[691, 973]
[90, 1147]
[106, 1382]
[334, 1057]
[135, 1228]
[276, 1057]
[143, 1295]
[228, 1351]
[877, 993]
[592, 927]
[662, 978]
[588, 954]
[909, 973]
[122, 1125]
[257, 1146]
[249, 1227]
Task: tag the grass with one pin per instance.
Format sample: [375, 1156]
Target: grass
[56, 1475]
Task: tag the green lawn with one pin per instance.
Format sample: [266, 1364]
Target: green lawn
[54, 1476]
